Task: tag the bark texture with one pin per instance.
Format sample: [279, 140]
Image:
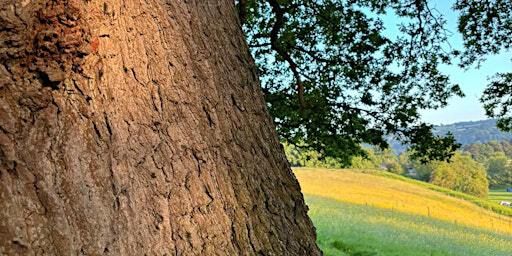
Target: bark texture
[138, 127]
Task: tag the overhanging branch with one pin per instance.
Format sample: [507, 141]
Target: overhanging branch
[242, 11]
[281, 51]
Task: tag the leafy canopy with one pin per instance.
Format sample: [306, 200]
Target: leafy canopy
[499, 170]
[462, 174]
[334, 80]
[486, 27]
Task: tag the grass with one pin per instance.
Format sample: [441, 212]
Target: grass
[498, 195]
[361, 214]
[485, 203]
[352, 229]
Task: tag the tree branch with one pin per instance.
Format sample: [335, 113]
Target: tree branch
[281, 51]
[242, 11]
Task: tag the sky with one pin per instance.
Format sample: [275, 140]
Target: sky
[472, 81]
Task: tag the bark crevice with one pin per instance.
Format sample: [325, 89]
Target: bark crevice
[138, 128]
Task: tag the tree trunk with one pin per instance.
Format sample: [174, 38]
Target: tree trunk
[138, 127]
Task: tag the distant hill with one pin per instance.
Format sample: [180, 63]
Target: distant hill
[466, 133]
[474, 132]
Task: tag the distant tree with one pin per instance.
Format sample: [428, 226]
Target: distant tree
[374, 158]
[378, 159]
[369, 161]
[481, 152]
[420, 171]
[299, 156]
[499, 170]
[389, 161]
[462, 174]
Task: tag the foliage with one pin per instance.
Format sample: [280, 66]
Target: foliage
[367, 162]
[481, 152]
[301, 156]
[462, 174]
[496, 156]
[486, 27]
[499, 170]
[378, 159]
[389, 161]
[420, 171]
[374, 159]
[334, 81]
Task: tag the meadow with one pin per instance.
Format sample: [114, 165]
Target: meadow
[359, 213]
[498, 195]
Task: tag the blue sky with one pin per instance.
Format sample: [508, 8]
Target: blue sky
[472, 81]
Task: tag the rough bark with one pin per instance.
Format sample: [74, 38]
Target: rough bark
[138, 127]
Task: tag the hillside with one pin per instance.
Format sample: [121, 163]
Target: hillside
[474, 132]
[365, 214]
[466, 133]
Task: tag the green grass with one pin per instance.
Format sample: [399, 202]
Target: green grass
[360, 230]
[371, 213]
[498, 195]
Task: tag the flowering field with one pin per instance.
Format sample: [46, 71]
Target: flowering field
[364, 214]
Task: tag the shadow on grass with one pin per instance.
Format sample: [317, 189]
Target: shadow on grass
[350, 250]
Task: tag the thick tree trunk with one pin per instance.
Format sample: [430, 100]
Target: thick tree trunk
[138, 127]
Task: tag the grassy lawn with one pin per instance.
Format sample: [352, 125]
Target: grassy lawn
[498, 195]
[366, 214]
[352, 229]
